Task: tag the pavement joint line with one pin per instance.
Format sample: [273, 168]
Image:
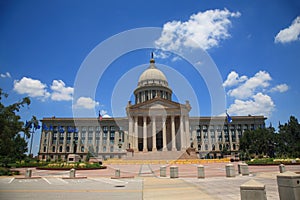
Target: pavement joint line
[11, 180]
[46, 180]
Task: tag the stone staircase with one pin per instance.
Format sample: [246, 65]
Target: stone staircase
[160, 155]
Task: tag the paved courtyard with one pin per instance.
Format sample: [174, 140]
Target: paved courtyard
[145, 184]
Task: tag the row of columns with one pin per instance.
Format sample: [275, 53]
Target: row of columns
[184, 133]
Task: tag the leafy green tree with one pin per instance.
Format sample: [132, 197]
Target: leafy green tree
[288, 139]
[12, 145]
[259, 142]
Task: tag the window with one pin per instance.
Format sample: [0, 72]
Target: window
[60, 149]
[82, 149]
[53, 149]
[68, 149]
[45, 148]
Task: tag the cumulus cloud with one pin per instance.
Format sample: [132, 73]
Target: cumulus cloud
[31, 87]
[86, 103]
[233, 79]
[6, 75]
[280, 88]
[204, 29]
[250, 94]
[259, 104]
[104, 114]
[289, 34]
[60, 91]
[260, 80]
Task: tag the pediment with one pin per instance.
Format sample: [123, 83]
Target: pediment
[157, 103]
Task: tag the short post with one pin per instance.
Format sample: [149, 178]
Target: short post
[288, 186]
[72, 173]
[230, 172]
[253, 190]
[163, 172]
[117, 173]
[244, 169]
[281, 168]
[201, 171]
[173, 172]
[28, 173]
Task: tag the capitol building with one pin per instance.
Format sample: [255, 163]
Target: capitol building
[155, 126]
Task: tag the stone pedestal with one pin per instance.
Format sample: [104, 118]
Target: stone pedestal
[289, 186]
[244, 169]
[281, 168]
[200, 170]
[72, 173]
[117, 173]
[163, 172]
[230, 171]
[253, 190]
[173, 172]
[72, 158]
[28, 173]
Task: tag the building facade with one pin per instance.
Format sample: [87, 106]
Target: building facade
[153, 123]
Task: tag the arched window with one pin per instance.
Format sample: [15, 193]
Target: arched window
[68, 149]
[82, 149]
[45, 148]
[60, 149]
[53, 149]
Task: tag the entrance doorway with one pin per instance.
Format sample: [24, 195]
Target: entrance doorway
[159, 141]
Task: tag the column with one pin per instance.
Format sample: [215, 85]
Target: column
[154, 148]
[71, 142]
[136, 134]
[230, 138]
[202, 139]
[209, 138]
[164, 134]
[182, 136]
[145, 147]
[237, 139]
[173, 133]
[100, 141]
[86, 149]
[79, 142]
[116, 142]
[187, 131]
[130, 132]
[94, 140]
[216, 139]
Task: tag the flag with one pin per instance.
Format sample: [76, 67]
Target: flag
[51, 128]
[229, 119]
[76, 130]
[61, 129]
[100, 116]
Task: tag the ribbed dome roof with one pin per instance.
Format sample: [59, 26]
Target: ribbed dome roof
[152, 76]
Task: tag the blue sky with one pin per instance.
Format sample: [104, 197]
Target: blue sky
[253, 45]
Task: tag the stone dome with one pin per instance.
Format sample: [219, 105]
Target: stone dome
[152, 76]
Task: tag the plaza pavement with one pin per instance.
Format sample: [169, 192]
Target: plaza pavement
[146, 184]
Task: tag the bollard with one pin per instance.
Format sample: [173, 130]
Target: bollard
[117, 173]
[230, 172]
[201, 171]
[281, 168]
[28, 173]
[173, 172]
[288, 186]
[253, 190]
[72, 173]
[163, 171]
[244, 169]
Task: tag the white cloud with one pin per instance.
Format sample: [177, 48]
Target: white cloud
[260, 80]
[31, 87]
[204, 29]
[259, 104]
[234, 79]
[289, 34]
[6, 75]
[60, 91]
[280, 88]
[104, 114]
[250, 93]
[86, 102]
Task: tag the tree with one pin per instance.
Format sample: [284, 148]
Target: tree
[12, 145]
[258, 142]
[288, 139]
